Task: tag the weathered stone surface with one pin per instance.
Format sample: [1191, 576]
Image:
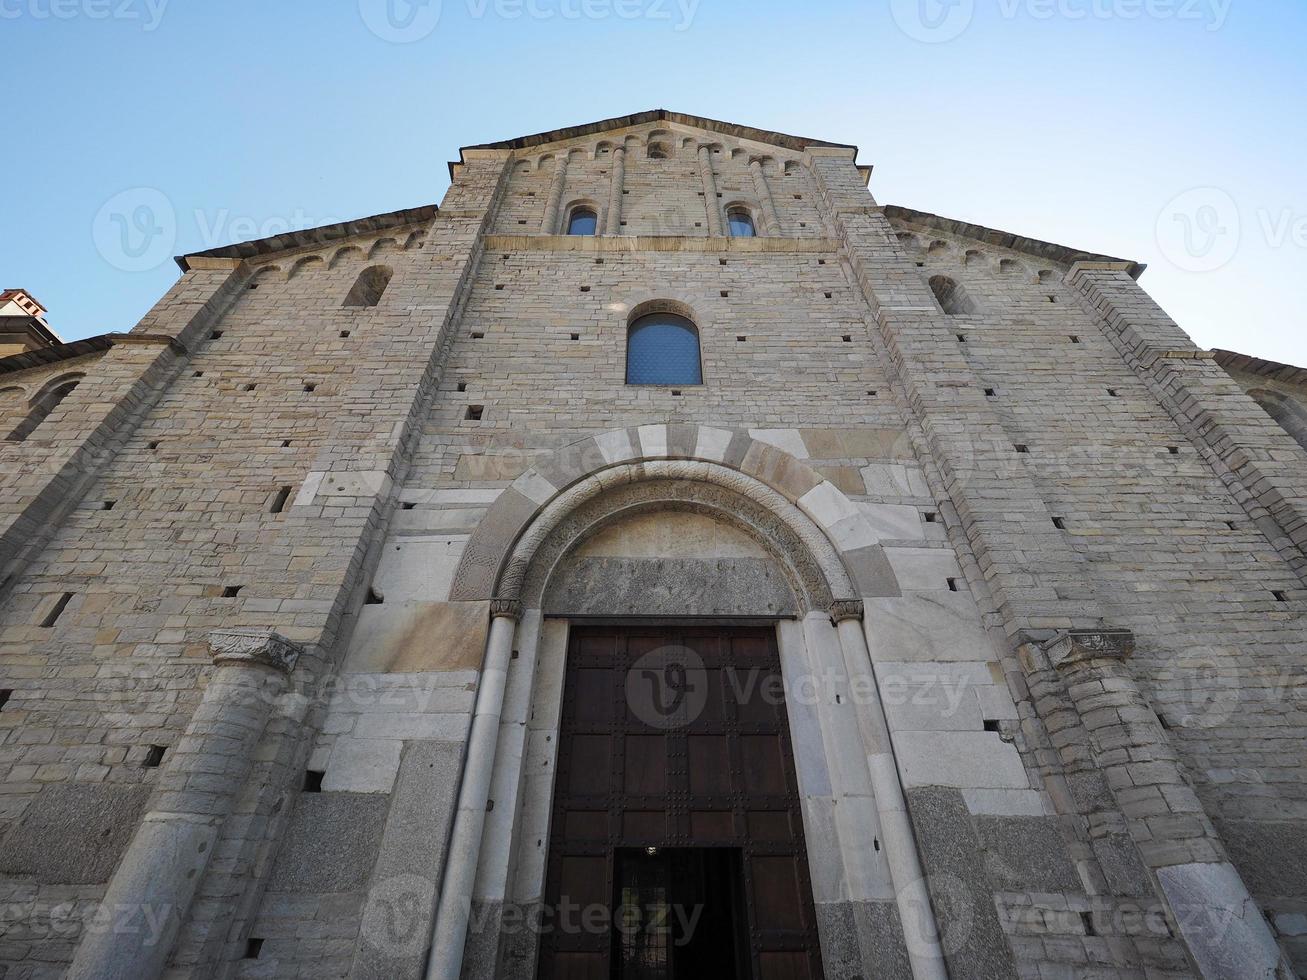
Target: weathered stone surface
[331, 843]
[1026, 854]
[73, 834]
[670, 587]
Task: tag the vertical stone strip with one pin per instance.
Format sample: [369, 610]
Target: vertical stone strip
[715, 227]
[166, 860]
[613, 220]
[920, 932]
[1217, 916]
[1040, 588]
[1258, 461]
[762, 190]
[556, 188]
[449, 935]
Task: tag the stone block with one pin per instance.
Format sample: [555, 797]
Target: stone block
[74, 834]
[787, 440]
[924, 569]
[362, 765]
[330, 843]
[959, 759]
[1026, 854]
[419, 636]
[926, 626]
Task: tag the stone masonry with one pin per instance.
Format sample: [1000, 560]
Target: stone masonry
[287, 573]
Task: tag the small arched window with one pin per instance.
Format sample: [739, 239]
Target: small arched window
[43, 404]
[663, 349]
[582, 221]
[369, 286]
[741, 223]
[953, 299]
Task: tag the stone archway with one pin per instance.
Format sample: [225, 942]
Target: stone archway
[831, 559]
[806, 519]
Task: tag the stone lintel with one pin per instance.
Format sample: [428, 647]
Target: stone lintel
[1078, 646]
[261, 648]
[842, 609]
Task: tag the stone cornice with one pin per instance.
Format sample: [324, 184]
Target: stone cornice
[255, 648]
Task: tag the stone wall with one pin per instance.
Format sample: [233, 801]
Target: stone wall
[265, 457]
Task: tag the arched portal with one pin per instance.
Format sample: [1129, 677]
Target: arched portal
[716, 542]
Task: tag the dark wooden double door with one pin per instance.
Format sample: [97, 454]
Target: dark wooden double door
[677, 846]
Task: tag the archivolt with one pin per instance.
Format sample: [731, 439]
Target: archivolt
[817, 573]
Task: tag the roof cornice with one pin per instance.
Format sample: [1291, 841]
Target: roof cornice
[312, 237]
[1061, 254]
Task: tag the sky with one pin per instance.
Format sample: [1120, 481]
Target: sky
[1171, 132]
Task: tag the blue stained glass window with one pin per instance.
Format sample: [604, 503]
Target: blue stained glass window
[583, 222]
[741, 224]
[663, 349]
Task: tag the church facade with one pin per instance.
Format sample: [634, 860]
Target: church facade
[658, 560]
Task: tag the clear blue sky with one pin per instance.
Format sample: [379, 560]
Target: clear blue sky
[1084, 122]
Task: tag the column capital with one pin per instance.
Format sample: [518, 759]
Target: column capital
[505, 609]
[842, 609]
[1073, 647]
[262, 648]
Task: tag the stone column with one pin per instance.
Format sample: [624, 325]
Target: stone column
[158, 876]
[550, 226]
[920, 931]
[762, 190]
[1218, 918]
[715, 228]
[613, 221]
[449, 934]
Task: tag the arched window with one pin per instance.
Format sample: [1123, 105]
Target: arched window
[43, 404]
[369, 286]
[582, 221]
[1291, 416]
[953, 299]
[741, 223]
[663, 349]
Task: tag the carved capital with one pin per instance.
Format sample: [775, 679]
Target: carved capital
[261, 648]
[842, 609]
[1078, 646]
[505, 609]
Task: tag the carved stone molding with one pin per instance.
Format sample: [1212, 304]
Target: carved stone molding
[842, 609]
[1078, 646]
[505, 609]
[262, 648]
[802, 545]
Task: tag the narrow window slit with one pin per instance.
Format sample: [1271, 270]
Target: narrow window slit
[474, 413]
[153, 757]
[279, 501]
[313, 780]
[231, 591]
[953, 585]
[57, 610]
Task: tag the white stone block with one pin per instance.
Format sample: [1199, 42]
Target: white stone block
[826, 505]
[615, 446]
[924, 569]
[894, 480]
[712, 443]
[653, 441]
[788, 440]
[362, 765]
[1007, 802]
[959, 759]
[926, 626]
[894, 522]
